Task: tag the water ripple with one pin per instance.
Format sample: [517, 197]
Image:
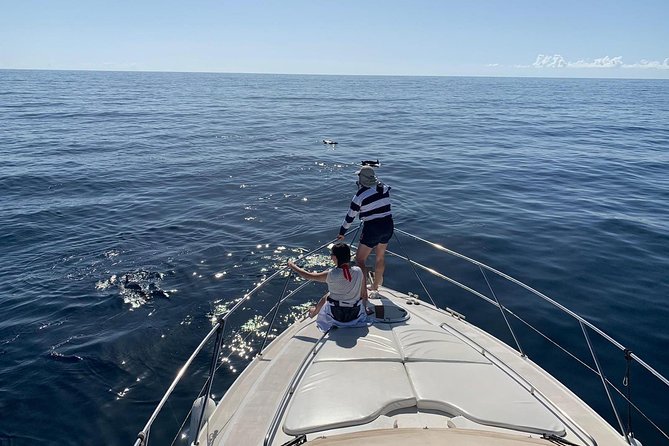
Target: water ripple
[138, 207]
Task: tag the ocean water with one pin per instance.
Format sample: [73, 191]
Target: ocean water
[134, 207]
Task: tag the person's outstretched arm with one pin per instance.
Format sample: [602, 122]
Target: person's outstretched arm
[318, 277]
[353, 211]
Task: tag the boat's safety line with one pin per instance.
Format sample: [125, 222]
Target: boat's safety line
[627, 397]
[143, 435]
[278, 304]
[603, 378]
[299, 373]
[501, 309]
[218, 330]
[436, 273]
[541, 295]
[414, 270]
[511, 373]
[626, 432]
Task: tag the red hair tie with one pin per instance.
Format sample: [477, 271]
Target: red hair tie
[347, 272]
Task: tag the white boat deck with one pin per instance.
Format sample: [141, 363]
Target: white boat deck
[417, 365]
[431, 372]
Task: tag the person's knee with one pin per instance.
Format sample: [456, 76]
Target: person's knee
[380, 251]
[360, 259]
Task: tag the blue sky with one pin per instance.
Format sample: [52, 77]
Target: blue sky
[615, 38]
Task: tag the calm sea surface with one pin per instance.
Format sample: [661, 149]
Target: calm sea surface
[135, 206]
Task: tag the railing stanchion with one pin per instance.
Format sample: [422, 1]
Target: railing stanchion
[627, 384]
[603, 378]
[520, 349]
[276, 311]
[212, 372]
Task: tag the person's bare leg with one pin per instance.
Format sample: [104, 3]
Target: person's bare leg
[360, 257]
[380, 265]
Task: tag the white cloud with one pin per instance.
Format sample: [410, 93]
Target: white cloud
[556, 61]
[602, 62]
[650, 64]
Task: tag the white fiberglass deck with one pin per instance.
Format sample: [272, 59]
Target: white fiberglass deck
[429, 370]
[402, 366]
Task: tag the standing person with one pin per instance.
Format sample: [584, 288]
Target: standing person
[372, 202]
[342, 306]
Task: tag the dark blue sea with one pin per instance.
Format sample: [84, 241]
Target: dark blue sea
[136, 207]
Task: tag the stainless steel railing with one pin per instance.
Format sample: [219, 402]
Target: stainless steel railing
[218, 331]
[583, 323]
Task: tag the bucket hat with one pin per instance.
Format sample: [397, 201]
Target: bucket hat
[367, 177]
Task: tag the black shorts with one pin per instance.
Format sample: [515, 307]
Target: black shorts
[377, 231]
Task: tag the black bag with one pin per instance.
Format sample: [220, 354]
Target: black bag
[345, 314]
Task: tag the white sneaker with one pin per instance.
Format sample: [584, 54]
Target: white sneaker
[373, 294]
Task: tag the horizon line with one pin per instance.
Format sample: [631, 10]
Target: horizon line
[519, 76]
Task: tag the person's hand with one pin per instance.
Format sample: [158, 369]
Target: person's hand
[340, 237]
[291, 265]
[312, 311]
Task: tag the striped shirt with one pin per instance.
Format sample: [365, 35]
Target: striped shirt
[371, 203]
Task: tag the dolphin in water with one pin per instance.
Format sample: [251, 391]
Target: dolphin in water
[134, 286]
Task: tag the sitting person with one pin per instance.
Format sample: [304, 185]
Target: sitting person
[341, 307]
